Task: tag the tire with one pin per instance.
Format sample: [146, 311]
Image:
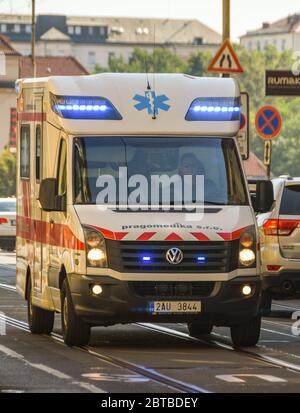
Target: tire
[75, 331]
[199, 330]
[40, 321]
[266, 303]
[247, 334]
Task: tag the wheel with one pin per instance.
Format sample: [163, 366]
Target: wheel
[40, 321]
[75, 331]
[199, 330]
[266, 303]
[247, 334]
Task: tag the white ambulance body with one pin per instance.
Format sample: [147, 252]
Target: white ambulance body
[102, 266]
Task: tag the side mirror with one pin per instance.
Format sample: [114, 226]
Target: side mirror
[48, 197]
[264, 196]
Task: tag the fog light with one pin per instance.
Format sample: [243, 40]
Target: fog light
[97, 289]
[246, 290]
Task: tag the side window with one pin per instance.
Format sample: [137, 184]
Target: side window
[38, 148]
[25, 152]
[62, 168]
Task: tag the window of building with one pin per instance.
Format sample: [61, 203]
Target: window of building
[17, 28]
[102, 31]
[198, 40]
[283, 45]
[91, 58]
[28, 28]
[3, 28]
[258, 46]
[250, 45]
[25, 152]
[275, 42]
[71, 29]
[111, 55]
[78, 30]
[91, 30]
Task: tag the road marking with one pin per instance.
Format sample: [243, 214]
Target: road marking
[121, 378]
[235, 378]
[8, 287]
[49, 370]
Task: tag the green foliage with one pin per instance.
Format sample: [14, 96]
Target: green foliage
[286, 147]
[7, 174]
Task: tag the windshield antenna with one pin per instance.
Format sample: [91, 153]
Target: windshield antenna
[153, 58]
[147, 76]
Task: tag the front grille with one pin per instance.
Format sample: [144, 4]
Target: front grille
[171, 289]
[220, 256]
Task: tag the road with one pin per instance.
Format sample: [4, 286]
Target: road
[143, 358]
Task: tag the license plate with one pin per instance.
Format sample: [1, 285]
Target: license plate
[171, 307]
[13, 222]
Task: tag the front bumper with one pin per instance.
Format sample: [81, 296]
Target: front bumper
[118, 303]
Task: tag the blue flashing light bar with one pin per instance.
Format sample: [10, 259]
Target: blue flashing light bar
[201, 259]
[214, 110]
[84, 108]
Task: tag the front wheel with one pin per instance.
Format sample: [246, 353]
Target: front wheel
[199, 330]
[247, 334]
[40, 321]
[75, 331]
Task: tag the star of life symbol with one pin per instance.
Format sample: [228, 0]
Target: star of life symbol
[151, 102]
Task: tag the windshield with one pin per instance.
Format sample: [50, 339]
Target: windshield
[215, 159]
[6, 206]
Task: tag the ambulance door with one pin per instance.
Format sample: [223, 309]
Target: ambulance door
[37, 213]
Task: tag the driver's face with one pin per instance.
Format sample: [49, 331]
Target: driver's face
[189, 167]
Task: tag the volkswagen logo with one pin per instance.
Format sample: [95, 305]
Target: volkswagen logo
[174, 256]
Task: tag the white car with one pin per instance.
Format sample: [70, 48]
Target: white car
[7, 224]
[280, 242]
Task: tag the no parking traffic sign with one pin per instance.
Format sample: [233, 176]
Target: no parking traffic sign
[268, 122]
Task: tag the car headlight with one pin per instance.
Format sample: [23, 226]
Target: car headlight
[247, 250]
[95, 248]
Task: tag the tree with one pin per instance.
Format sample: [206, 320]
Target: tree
[7, 174]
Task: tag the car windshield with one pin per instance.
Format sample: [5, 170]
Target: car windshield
[6, 206]
[215, 159]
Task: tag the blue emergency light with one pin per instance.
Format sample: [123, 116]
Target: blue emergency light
[84, 107]
[214, 109]
[146, 259]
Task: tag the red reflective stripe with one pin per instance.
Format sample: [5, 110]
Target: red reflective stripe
[105, 232]
[230, 236]
[120, 235]
[58, 235]
[32, 116]
[173, 237]
[146, 236]
[200, 236]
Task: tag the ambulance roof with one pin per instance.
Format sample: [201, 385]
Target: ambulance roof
[173, 94]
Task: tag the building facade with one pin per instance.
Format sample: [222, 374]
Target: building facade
[92, 40]
[284, 34]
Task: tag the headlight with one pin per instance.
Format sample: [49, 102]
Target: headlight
[247, 257]
[247, 250]
[95, 248]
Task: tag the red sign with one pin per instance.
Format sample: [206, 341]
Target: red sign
[268, 122]
[226, 60]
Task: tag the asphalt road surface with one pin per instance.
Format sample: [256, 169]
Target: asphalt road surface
[143, 358]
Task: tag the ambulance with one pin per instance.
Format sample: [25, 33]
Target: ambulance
[86, 146]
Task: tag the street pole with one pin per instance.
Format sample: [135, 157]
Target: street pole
[33, 61]
[226, 25]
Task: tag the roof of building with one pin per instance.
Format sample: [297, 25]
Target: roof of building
[254, 167]
[52, 66]
[6, 47]
[115, 29]
[289, 24]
